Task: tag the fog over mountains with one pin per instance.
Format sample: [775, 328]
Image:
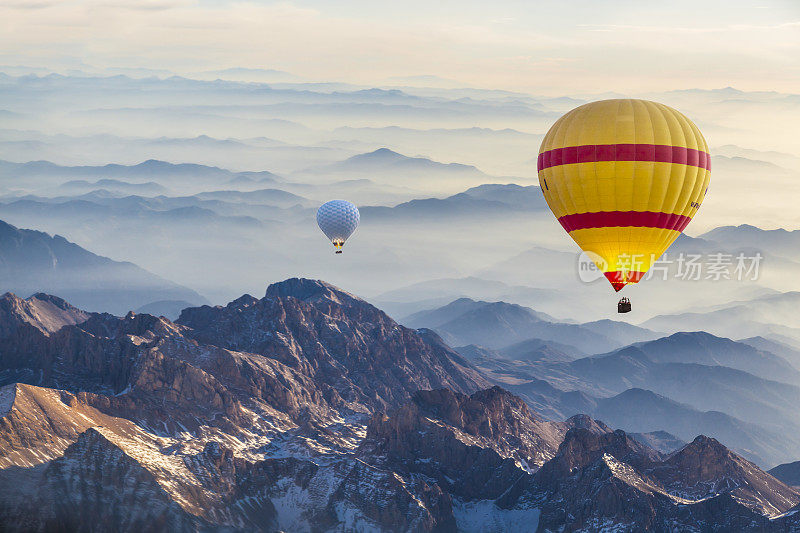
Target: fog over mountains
[467, 376]
[33, 262]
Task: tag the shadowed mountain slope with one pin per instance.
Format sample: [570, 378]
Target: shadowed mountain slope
[33, 261]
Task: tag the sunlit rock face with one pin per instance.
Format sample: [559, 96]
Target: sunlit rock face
[311, 410]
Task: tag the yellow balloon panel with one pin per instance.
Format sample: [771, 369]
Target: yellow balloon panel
[624, 177]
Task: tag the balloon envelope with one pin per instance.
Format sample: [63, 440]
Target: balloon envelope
[338, 219]
[624, 178]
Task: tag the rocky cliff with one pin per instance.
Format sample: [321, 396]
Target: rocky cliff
[311, 410]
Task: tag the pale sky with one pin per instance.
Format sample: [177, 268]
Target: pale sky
[543, 47]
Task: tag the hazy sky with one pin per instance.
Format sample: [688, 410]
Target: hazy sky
[559, 46]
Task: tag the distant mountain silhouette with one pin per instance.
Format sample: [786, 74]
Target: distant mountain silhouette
[500, 324]
[393, 168]
[149, 188]
[711, 399]
[642, 410]
[97, 208]
[525, 198]
[436, 317]
[789, 473]
[531, 351]
[386, 159]
[788, 352]
[33, 261]
[244, 180]
[707, 349]
[426, 295]
[533, 265]
[484, 200]
[263, 75]
[777, 241]
[275, 197]
[770, 316]
[661, 441]
[150, 170]
[621, 331]
[781, 158]
[707, 388]
[745, 164]
[541, 350]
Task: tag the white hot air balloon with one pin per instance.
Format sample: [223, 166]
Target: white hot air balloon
[338, 219]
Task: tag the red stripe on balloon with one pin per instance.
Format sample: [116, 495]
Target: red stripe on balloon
[593, 153]
[619, 278]
[639, 219]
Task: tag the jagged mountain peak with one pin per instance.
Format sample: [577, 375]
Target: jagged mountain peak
[240, 303]
[475, 446]
[55, 300]
[705, 467]
[708, 443]
[498, 396]
[310, 290]
[488, 412]
[431, 337]
[609, 478]
[705, 458]
[243, 301]
[582, 446]
[42, 311]
[98, 478]
[587, 448]
[335, 337]
[588, 423]
[140, 323]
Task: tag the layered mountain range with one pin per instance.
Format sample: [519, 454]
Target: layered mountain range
[311, 410]
[32, 261]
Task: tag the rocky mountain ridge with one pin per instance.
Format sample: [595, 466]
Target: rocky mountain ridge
[311, 410]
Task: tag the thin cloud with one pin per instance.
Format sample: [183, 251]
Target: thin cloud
[28, 4]
[144, 5]
[509, 49]
[687, 29]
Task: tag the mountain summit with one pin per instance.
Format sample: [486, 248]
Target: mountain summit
[352, 350]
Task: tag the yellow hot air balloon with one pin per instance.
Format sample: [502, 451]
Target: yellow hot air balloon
[624, 178]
